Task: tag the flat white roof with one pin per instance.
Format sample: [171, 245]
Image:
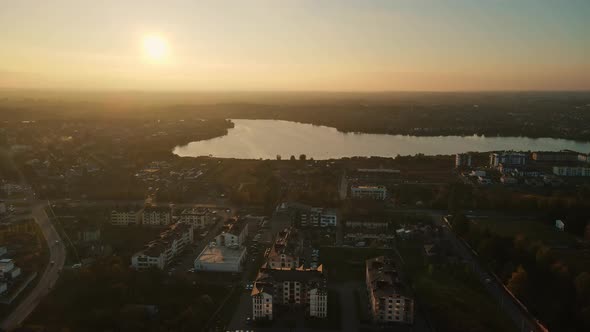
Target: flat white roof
[220, 254]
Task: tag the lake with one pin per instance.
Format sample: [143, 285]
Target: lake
[254, 139]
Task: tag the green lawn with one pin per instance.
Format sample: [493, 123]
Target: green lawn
[534, 230]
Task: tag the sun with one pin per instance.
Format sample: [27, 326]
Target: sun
[155, 48]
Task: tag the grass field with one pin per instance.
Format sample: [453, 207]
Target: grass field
[532, 229]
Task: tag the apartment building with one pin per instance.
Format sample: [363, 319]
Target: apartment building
[389, 301]
[283, 253]
[303, 288]
[126, 216]
[462, 160]
[369, 192]
[571, 171]
[157, 216]
[160, 252]
[233, 235]
[198, 217]
[317, 217]
[507, 159]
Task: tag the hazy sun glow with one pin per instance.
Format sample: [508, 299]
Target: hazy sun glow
[155, 48]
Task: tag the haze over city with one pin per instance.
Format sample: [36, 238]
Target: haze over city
[294, 166]
[295, 45]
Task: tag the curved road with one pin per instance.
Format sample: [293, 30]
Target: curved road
[57, 254]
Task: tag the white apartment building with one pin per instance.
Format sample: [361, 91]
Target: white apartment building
[199, 218]
[159, 253]
[157, 216]
[318, 217]
[462, 160]
[571, 171]
[387, 299]
[262, 303]
[234, 235]
[125, 217]
[369, 192]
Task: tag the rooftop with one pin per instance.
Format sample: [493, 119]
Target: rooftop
[220, 254]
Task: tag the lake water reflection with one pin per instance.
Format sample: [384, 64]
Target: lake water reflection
[254, 139]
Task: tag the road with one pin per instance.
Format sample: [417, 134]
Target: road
[523, 320]
[57, 254]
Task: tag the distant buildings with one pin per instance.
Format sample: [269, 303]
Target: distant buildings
[561, 156]
[507, 159]
[368, 192]
[126, 216]
[317, 217]
[462, 160]
[157, 216]
[304, 288]
[198, 217]
[388, 299]
[160, 252]
[571, 171]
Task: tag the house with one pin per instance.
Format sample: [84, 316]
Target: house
[303, 288]
[160, 252]
[389, 300]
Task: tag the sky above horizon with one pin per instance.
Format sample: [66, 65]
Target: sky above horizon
[295, 45]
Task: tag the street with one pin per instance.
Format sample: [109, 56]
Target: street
[57, 255]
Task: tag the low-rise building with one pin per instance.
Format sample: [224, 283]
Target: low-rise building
[160, 252]
[388, 299]
[126, 216]
[157, 215]
[198, 217]
[571, 171]
[368, 192]
[303, 288]
[553, 156]
[220, 258]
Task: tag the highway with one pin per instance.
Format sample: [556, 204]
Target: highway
[57, 254]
